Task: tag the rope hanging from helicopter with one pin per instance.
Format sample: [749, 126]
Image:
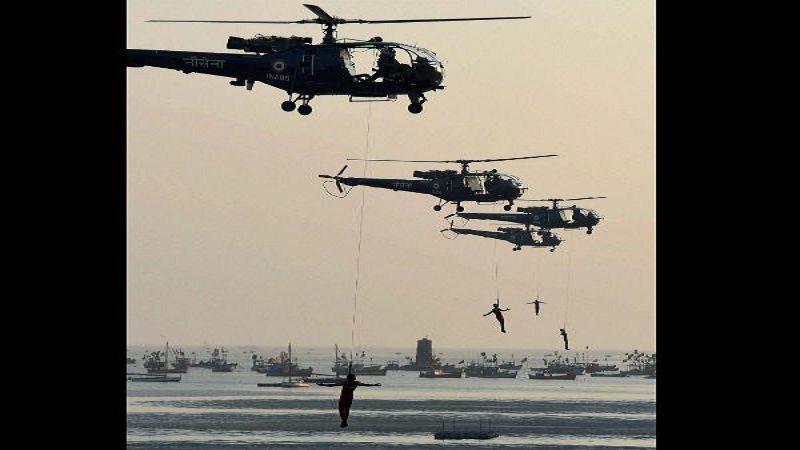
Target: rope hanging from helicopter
[496, 282]
[358, 251]
[569, 271]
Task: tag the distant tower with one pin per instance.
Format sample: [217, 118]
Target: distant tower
[424, 354]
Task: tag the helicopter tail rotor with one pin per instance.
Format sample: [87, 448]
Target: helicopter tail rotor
[337, 180]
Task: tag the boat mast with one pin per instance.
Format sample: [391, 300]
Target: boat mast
[290, 362]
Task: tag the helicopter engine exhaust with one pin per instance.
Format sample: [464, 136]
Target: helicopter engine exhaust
[266, 44]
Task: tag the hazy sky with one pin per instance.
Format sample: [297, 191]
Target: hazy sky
[232, 240]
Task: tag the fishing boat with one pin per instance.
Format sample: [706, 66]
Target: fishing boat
[219, 362]
[640, 363]
[154, 365]
[155, 378]
[489, 368]
[292, 383]
[343, 366]
[281, 366]
[439, 373]
[545, 375]
[609, 375]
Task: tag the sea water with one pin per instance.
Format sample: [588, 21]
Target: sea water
[210, 410]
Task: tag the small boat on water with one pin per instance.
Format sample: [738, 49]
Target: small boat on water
[219, 362]
[289, 382]
[155, 366]
[292, 383]
[154, 378]
[544, 375]
[343, 366]
[439, 373]
[609, 375]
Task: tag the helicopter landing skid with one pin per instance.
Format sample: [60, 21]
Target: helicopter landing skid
[388, 98]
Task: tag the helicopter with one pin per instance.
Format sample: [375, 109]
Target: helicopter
[518, 236]
[299, 67]
[544, 217]
[448, 185]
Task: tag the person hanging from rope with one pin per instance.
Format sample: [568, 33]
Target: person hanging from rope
[349, 385]
[536, 304]
[566, 342]
[499, 315]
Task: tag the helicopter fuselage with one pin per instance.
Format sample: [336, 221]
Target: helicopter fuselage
[475, 187]
[307, 70]
[543, 217]
[517, 236]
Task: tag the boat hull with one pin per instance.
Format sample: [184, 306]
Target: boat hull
[154, 379]
[566, 376]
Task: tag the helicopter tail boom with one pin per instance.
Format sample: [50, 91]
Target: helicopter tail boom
[220, 64]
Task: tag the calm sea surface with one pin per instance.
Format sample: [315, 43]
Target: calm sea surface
[207, 410]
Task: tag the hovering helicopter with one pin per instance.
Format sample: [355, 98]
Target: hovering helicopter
[298, 67]
[518, 236]
[448, 185]
[544, 217]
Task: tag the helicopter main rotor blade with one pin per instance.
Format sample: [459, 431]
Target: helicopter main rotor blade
[236, 21]
[458, 161]
[320, 12]
[435, 20]
[580, 198]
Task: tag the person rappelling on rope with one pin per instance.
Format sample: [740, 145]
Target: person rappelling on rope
[349, 386]
[566, 341]
[536, 304]
[499, 315]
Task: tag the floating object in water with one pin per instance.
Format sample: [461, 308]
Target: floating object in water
[465, 435]
[480, 433]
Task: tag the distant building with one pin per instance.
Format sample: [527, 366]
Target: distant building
[424, 359]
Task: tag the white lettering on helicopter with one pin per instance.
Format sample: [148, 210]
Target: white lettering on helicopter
[401, 185]
[194, 61]
[272, 76]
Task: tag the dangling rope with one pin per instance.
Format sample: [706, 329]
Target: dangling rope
[569, 271]
[496, 283]
[358, 252]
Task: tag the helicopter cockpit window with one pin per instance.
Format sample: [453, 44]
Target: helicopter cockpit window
[474, 183]
[396, 54]
[566, 215]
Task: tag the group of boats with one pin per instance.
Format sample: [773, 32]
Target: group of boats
[558, 367]
[158, 370]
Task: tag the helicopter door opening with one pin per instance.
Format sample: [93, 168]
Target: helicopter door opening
[475, 183]
[347, 61]
[566, 215]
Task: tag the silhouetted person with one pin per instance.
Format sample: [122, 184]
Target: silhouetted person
[349, 385]
[389, 66]
[536, 304]
[566, 342]
[499, 315]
